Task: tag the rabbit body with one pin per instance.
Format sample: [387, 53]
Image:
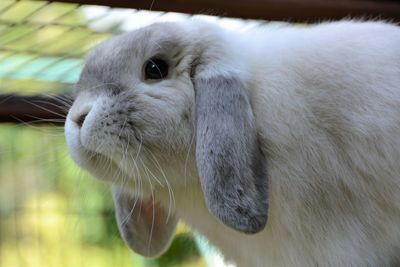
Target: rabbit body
[326, 106]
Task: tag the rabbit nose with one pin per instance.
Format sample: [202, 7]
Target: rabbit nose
[81, 119]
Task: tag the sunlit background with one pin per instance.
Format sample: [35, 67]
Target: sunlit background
[51, 213]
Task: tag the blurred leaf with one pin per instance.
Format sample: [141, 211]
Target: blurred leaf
[183, 249]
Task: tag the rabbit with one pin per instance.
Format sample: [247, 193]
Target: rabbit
[281, 145]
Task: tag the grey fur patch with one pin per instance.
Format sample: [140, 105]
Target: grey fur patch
[230, 164]
[147, 232]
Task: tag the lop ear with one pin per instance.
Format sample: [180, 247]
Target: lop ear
[230, 163]
[144, 225]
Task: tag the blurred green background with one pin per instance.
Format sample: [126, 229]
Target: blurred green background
[51, 213]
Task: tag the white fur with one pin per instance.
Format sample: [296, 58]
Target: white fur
[327, 104]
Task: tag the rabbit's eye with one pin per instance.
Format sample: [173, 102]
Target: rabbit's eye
[155, 69]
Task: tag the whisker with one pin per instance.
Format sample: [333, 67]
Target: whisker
[45, 109]
[151, 173]
[30, 125]
[63, 106]
[152, 199]
[152, 219]
[39, 119]
[170, 190]
[66, 99]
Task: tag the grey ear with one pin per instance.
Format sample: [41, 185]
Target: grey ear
[144, 225]
[230, 163]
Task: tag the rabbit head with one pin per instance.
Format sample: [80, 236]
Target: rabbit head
[154, 101]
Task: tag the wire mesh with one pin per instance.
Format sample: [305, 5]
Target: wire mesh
[52, 214]
[44, 42]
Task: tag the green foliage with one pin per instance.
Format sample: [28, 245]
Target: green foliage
[53, 214]
[183, 249]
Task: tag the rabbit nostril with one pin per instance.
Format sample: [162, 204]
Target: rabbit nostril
[81, 119]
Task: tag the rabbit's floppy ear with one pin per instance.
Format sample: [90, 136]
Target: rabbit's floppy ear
[144, 225]
[230, 163]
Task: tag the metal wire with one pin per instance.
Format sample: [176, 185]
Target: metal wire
[75, 30]
[70, 40]
[24, 42]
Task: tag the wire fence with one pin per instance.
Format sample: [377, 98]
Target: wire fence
[46, 41]
[51, 214]
[43, 44]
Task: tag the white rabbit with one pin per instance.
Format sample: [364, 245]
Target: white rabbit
[280, 145]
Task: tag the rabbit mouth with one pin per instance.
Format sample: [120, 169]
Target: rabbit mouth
[107, 169]
[120, 168]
